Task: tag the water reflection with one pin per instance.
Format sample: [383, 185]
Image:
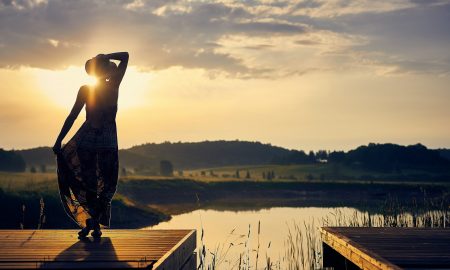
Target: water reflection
[231, 234]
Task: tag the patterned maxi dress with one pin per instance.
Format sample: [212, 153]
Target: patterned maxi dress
[88, 167]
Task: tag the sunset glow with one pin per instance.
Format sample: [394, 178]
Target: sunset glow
[307, 76]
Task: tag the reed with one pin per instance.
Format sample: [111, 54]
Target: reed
[41, 220]
[22, 224]
[257, 248]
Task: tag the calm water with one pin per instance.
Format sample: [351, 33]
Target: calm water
[231, 234]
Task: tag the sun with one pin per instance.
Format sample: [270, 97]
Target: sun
[92, 80]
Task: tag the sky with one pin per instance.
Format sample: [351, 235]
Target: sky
[302, 74]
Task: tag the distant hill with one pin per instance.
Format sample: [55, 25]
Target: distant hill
[210, 153]
[38, 156]
[183, 155]
[207, 154]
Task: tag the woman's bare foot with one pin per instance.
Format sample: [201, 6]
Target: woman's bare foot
[85, 231]
[96, 233]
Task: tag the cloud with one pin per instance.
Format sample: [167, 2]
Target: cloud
[198, 34]
[321, 8]
[335, 8]
[22, 4]
[60, 33]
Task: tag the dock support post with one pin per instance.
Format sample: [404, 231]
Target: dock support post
[334, 260]
[191, 263]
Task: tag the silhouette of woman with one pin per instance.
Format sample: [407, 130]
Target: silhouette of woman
[88, 163]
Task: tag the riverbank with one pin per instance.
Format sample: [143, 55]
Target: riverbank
[32, 200]
[177, 196]
[32, 210]
[145, 201]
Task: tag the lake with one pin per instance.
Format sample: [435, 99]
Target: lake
[231, 237]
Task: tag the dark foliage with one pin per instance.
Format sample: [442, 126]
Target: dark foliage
[336, 157]
[165, 168]
[445, 153]
[11, 161]
[294, 157]
[393, 158]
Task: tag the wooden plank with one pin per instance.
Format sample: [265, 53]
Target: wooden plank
[179, 255]
[391, 248]
[116, 249]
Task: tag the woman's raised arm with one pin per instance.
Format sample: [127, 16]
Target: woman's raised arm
[123, 58]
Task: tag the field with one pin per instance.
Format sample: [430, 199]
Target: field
[334, 173]
[39, 182]
[323, 172]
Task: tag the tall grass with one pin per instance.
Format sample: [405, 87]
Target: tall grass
[41, 220]
[41, 214]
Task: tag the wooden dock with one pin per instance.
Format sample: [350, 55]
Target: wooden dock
[386, 248]
[125, 249]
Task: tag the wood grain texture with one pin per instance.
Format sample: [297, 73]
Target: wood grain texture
[23, 249]
[391, 248]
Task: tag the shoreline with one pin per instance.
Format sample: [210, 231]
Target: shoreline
[144, 202]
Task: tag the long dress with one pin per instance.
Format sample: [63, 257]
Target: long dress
[88, 167]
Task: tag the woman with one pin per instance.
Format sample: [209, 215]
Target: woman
[88, 163]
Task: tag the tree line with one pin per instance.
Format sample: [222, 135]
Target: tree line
[377, 157]
[207, 154]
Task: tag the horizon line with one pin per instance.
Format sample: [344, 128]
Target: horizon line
[237, 140]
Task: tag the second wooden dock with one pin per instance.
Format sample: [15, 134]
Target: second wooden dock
[386, 248]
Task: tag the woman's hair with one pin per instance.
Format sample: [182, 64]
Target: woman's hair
[99, 67]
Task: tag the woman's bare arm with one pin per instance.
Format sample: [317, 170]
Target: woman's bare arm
[79, 103]
[123, 58]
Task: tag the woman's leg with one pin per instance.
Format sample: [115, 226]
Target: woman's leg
[88, 164]
[108, 175]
